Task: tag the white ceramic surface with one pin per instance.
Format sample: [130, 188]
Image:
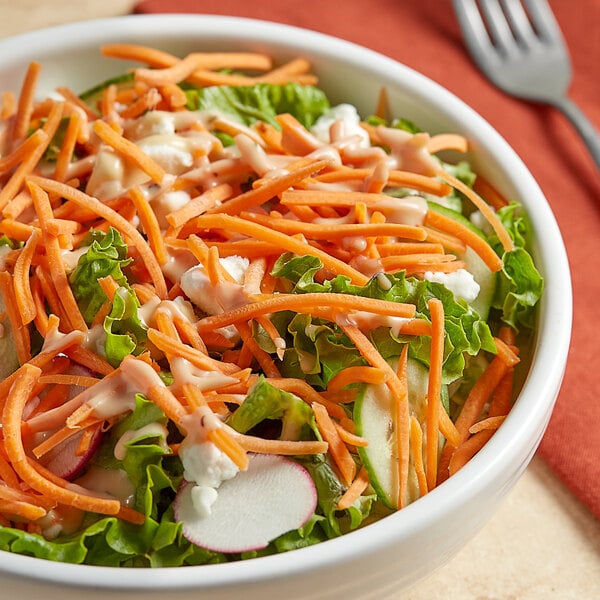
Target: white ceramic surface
[381, 559]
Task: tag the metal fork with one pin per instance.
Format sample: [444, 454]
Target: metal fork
[520, 48]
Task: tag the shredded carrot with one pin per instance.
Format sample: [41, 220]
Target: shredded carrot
[26, 101]
[43, 209]
[129, 151]
[272, 187]
[22, 282]
[436, 359]
[468, 449]
[82, 199]
[252, 443]
[305, 303]
[12, 414]
[489, 423]
[12, 187]
[447, 141]
[353, 493]
[66, 150]
[230, 446]
[416, 447]
[467, 236]
[200, 204]
[355, 374]
[339, 451]
[19, 331]
[483, 207]
[285, 242]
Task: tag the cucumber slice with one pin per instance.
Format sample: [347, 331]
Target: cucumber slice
[486, 280]
[373, 416]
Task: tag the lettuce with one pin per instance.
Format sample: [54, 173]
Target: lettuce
[266, 402]
[261, 102]
[125, 333]
[330, 350]
[106, 255]
[520, 284]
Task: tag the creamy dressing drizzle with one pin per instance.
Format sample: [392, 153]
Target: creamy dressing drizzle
[150, 430]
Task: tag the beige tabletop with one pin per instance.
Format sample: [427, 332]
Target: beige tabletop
[541, 544]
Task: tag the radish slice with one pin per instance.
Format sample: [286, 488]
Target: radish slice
[64, 460]
[273, 496]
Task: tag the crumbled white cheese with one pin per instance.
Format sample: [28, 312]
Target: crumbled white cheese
[196, 284]
[205, 467]
[350, 119]
[461, 283]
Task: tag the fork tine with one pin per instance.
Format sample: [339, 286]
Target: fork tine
[519, 22]
[474, 30]
[497, 24]
[543, 21]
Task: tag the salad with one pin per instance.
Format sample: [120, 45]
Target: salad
[237, 320]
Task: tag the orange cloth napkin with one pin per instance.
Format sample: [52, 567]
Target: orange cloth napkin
[424, 35]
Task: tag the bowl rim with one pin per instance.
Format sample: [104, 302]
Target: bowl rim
[527, 419]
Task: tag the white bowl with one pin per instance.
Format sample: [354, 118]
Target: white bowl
[388, 556]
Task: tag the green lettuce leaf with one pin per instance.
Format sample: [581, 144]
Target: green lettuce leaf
[520, 285]
[466, 332]
[266, 402]
[106, 255]
[261, 102]
[125, 333]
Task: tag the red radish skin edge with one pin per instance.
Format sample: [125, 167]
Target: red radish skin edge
[63, 460]
[273, 496]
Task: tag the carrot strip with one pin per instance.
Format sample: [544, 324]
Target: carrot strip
[436, 309]
[337, 231]
[396, 178]
[114, 219]
[13, 185]
[355, 374]
[41, 201]
[467, 236]
[129, 151]
[295, 138]
[465, 452]
[230, 446]
[26, 101]
[8, 104]
[23, 150]
[401, 419]
[416, 448]
[272, 187]
[19, 330]
[353, 493]
[350, 438]
[11, 425]
[485, 189]
[251, 443]
[305, 303]
[489, 423]
[22, 281]
[339, 451]
[303, 390]
[150, 224]
[65, 155]
[482, 206]
[285, 242]
[447, 141]
[176, 348]
[200, 204]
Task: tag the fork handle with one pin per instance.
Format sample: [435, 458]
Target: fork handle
[583, 125]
